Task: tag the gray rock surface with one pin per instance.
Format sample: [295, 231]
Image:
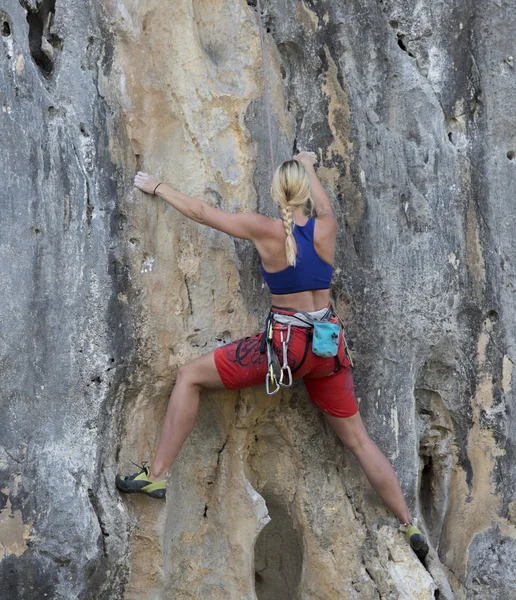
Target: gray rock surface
[107, 293]
[65, 341]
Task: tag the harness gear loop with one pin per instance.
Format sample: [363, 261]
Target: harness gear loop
[284, 367]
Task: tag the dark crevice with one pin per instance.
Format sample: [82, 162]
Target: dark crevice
[401, 43]
[425, 490]
[436, 443]
[511, 154]
[89, 210]
[205, 513]
[492, 315]
[221, 451]
[369, 572]
[60, 562]
[6, 28]
[97, 510]
[225, 337]
[278, 554]
[278, 549]
[42, 42]
[187, 287]
[121, 220]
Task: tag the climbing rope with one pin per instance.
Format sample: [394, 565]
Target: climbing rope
[266, 84]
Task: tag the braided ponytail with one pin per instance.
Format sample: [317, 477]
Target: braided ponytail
[290, 242]
[290, 190]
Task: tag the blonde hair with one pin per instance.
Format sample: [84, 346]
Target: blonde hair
[290, 190]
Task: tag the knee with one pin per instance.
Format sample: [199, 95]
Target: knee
[187, 375]
[356, 441]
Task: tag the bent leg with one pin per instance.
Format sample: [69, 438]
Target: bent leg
[375, 465]
[234, 366]
[182, 410]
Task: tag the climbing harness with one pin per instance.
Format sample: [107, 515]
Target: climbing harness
[325, 342]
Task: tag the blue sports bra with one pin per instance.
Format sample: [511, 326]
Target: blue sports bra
[310, 272]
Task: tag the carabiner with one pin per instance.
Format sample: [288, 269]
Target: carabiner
[289, 373]
[284, 366]
[271, 378]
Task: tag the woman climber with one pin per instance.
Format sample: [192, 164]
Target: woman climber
[297, 254]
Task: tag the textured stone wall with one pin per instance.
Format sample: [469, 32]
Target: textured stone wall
[107, 293]
[65, 338]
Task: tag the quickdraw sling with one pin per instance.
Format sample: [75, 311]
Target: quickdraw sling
[325, 343]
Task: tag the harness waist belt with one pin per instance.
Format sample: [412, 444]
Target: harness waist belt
[302, 319]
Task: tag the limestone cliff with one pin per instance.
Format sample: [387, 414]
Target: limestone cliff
[107, 292]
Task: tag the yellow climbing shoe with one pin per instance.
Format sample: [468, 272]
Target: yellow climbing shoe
[140, 483]
[417, 540]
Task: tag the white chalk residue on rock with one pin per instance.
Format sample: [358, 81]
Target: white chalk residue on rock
[147, 265]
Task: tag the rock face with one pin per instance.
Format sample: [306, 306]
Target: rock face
[107, 293]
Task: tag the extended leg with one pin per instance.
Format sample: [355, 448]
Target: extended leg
[375, 465]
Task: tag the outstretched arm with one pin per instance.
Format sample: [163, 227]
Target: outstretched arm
[247, 226]
[319, 197]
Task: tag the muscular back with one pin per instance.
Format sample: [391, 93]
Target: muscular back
[271, 248]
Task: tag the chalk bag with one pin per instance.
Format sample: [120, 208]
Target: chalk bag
[325, 342]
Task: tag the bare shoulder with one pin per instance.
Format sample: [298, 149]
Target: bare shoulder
[325, 235]
[264, 226]
[326, 225]
[263, 221]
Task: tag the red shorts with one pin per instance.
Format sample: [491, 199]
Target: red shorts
[328, 380]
